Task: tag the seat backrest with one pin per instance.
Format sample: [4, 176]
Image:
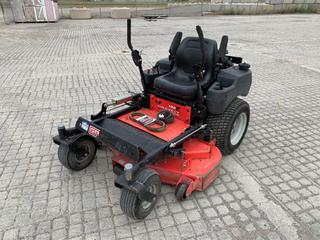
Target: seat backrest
[189, 54]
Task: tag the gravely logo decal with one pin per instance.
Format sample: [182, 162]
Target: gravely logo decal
[94, 132]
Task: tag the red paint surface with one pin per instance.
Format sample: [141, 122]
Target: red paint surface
[198, 167]
[172, 131]
[179, 111]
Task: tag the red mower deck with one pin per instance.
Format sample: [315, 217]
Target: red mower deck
[197, 167]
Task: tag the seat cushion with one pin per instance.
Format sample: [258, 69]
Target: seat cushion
[177, 84]
[180, 81]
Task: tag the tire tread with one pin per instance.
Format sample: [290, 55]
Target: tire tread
[63, 152]
[129, 200]
[220, 124]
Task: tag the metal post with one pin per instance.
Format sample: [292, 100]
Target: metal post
[128, 171]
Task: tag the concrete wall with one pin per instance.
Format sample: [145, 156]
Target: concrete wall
[196, 9]
[268, 1]
[177, 11]
[1, 16]
[277, 2]
[141, 1]
[6, 15]
[80, 13]
[174, 11]
[237, 1]
[262, 8]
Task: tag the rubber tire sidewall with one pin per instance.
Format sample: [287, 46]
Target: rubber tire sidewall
[67, 157]
[242, 108]
[130, 202]
[222, 124]
[180, 191]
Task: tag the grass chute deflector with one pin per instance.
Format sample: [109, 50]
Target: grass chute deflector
[197, 86]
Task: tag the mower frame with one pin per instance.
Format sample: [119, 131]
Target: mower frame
[184, 159]
[68, 137]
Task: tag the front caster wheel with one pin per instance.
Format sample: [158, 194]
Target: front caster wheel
[130, 202]
[79, 155]
[181, 191]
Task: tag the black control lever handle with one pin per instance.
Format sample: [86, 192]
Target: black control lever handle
[136, 57]
[223, 48]
[201, 39]
[174, 45]
[129, 34]
[135, 54]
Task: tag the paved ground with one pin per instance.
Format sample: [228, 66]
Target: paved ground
[52, 73]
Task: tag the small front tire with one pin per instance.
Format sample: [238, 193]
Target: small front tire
[79, 155]
[181, 191]
[130, 202]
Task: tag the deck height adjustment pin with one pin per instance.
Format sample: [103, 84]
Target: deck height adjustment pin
[128, 171]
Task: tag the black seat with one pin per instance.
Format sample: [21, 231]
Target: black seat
[180, 81]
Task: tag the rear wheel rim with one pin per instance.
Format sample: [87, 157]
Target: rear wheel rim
[238, 128]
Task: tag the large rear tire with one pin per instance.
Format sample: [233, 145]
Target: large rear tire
[230, 127]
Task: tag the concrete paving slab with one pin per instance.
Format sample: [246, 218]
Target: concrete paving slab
[52, 73]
